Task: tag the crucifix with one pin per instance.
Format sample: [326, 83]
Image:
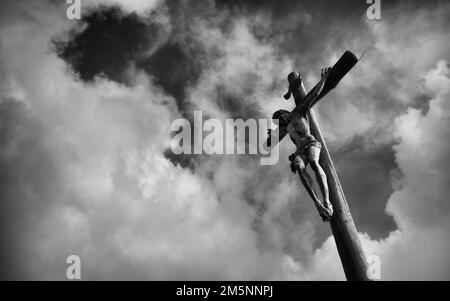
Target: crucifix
[303, 129]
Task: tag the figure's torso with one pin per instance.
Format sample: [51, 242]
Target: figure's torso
[299, 130]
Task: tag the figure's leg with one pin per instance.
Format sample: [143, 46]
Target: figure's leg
[313, 158]
[310, 181]
[307, 183]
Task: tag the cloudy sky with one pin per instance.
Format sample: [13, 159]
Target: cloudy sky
[85, 161]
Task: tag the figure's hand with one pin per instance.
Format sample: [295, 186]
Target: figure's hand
[325, 72]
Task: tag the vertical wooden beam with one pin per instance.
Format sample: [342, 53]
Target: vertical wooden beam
[342, 225]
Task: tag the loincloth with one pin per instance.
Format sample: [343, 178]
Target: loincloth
[303, 151]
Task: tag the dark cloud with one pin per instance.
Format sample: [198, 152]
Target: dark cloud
[107, 43]
[365, 177]
[174, 70]
[238, 106]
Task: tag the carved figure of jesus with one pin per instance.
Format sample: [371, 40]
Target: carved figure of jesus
[308, 148]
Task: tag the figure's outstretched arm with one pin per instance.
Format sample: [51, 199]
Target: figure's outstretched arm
[309, 100]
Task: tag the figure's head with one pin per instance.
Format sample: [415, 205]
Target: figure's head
[282, 116]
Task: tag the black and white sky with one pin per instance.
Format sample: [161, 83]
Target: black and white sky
[85, 113]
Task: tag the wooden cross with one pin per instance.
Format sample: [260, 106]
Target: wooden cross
[342, 225]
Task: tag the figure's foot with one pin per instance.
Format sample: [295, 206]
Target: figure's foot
[324, 213]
